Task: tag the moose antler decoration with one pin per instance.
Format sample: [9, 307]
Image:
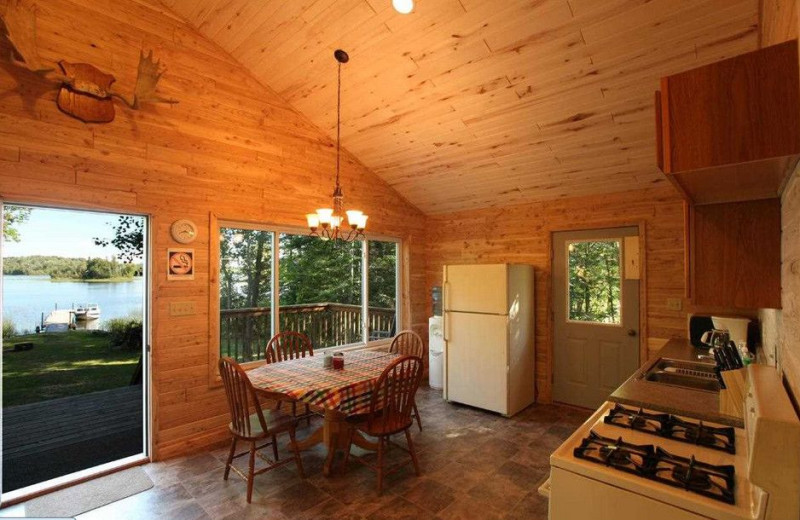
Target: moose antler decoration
[86, 92]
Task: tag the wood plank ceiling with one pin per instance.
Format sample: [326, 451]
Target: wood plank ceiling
[474, 103]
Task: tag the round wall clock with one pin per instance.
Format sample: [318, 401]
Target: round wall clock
[183, 231]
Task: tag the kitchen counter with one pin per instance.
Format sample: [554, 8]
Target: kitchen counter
[672, 399]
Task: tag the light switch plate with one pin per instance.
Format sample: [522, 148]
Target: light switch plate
[674, 304]
[182, 309]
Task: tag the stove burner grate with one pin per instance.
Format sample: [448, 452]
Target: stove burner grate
[671, 427]
[715, 482]
[657, 464]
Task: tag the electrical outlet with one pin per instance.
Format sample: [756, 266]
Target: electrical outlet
[182, 309]
[674, 304]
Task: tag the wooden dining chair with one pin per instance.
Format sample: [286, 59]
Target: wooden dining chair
[287, 345]
[409, 343]
[390, 413]
[263, 425]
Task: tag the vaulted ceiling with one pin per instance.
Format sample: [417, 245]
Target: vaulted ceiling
[476, 103]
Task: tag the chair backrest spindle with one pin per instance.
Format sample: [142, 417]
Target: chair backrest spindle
[407, 343]
[287, 345]
[393, 395]
[241, 397]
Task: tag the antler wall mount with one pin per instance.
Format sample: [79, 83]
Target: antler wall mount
[85, 92]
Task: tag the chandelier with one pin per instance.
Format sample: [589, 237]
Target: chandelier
[328, 223]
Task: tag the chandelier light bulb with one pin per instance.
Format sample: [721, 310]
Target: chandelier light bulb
[403, 6]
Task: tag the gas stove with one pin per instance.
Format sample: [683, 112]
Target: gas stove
[673, 427]
[657, 464]
[626, 463]
[661, 466]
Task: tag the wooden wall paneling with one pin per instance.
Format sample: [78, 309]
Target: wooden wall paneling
[788, 320]
[231, 146]
[440, 91]
[777, 21]
[213, 339]
[521, 233]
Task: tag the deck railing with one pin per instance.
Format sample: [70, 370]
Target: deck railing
[244, 333]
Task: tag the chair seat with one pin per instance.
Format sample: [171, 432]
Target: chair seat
[378, 428]
[276, 420]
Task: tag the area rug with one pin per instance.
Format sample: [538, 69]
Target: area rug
[75, 500]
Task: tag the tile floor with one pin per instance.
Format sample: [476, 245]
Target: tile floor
[475, 465]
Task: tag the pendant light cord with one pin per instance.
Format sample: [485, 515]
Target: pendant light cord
[338, 122]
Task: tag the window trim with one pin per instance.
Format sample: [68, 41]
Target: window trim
[217, 223]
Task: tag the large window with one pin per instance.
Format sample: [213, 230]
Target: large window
[245, 292]
[382, 289]
[320, 290]
[320, 287]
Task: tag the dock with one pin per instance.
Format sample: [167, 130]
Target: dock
[59, 320]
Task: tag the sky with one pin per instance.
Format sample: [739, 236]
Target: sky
[67, 233]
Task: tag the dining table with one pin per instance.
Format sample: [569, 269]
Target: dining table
[340, 393]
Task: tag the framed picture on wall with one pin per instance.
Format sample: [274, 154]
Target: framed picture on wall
[180, 264]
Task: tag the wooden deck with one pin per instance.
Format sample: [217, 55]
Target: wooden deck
[52, 438]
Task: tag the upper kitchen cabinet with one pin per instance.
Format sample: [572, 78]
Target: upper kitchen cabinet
[730, 131]
[736, 255]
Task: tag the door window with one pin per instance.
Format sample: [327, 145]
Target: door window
[593, 281]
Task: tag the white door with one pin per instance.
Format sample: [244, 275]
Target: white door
[476, 288]
[595, 315]
[477, 359]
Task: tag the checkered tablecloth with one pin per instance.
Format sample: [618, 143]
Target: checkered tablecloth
[305, 379]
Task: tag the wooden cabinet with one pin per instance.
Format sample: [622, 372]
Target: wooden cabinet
[730, 131]
[735, 254]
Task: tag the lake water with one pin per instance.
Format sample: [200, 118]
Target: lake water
[25, 298]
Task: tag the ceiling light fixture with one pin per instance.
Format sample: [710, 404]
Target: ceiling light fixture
[327, 223]
[403, 6]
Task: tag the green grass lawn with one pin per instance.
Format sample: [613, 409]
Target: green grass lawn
[63, 364]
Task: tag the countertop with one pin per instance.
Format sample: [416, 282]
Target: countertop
[672, 399]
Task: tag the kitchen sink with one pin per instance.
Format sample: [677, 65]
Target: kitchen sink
[687, 374]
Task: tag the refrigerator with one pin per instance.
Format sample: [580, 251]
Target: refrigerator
[489, 355]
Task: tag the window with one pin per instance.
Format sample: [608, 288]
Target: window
[594, 281]
[382, 289]
[245, 293]
[320, 288]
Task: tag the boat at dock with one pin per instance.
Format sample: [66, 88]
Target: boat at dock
[89, 311]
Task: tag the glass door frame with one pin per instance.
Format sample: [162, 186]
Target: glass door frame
[22, 494]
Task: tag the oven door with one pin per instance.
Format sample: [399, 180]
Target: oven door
[575, 496]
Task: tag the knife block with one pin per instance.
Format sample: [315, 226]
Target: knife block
[731, 400]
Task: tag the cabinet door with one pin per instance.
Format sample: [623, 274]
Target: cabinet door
[735, 111]
[737, 254]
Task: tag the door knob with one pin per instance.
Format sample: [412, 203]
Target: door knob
[631, 332]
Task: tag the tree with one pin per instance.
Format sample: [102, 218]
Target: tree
[13, 216]
[594, 281]
[98, 269]
[128, 238]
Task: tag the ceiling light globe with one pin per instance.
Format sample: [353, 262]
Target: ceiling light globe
[403, 6]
